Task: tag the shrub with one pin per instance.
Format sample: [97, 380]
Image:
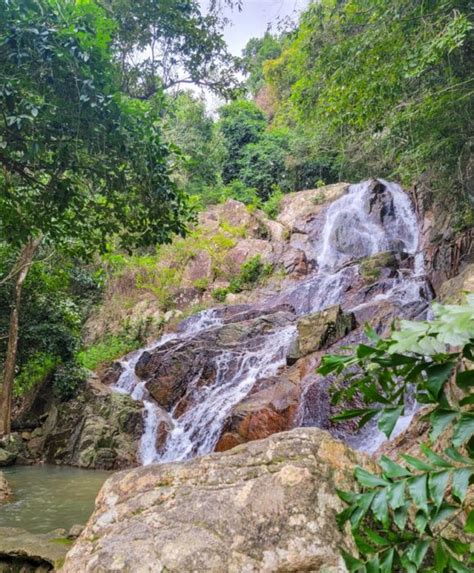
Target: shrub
[251, 272]
[67, 379]
[271, 207]
[111, 348]
[220, 294]
[399, 518]
[34, 371]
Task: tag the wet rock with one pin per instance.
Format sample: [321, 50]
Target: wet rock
[178, 367]
[266, 506]
[5, 489]
[381, 265]
[111, 374]
[28, 552]
[7, 458]
[320, 330]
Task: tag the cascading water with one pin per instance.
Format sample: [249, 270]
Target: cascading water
[371, 218]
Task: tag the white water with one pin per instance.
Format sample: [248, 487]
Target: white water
[349, 234]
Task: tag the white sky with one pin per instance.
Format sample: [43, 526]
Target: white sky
[252, 22]
[254, 18]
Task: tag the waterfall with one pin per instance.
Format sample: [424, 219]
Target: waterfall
[372, 217]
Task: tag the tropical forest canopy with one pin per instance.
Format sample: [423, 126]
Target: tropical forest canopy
[104, 149]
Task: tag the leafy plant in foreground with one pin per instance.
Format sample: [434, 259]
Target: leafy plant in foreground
[416, 515]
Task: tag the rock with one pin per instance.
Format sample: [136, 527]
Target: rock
[176, 369]
[75, 531]
[452, 291]
[264, 412]
[25, 551]
[5, 490]
[199, 268]
[320, 330]
[266, 506]
[297, 207]
[381, 265]
[7, 458]
[98, 429]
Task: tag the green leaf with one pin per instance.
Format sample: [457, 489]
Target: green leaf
[417, 487]
[351, 562]
[388, 419]
[392, 469]
[421, 520]
[469, 527]
[461, 482]
[458, 566]
[440, 419]
[417, 463]
[373, 566]
[437, 484]
[380, 507]
[396, 494]
[456, 546]
[375, 537]
[464, 429]
[434, 458]
[443, 513]
[367, 479]
[456, 456]
[441, 557]
[400, 516]
[416, 552]
[465, 380]
[386, 561]
[437, 375]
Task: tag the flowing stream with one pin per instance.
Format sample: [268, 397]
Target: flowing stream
[357, 225]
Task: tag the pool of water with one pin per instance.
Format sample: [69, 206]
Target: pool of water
[50, 497]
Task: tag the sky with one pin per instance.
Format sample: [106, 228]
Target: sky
[252, 22]
[254, 18]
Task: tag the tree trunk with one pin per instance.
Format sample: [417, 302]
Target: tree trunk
[24, 262]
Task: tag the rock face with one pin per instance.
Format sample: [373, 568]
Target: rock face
[267, 506]
[98, 429]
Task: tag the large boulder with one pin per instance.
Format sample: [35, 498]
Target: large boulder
[266, 506]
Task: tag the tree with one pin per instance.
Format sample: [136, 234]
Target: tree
[80, 162]
[386, 86]
[190, 127]
[168, 43]
[256, 52]
[241, 122]
[262, 164]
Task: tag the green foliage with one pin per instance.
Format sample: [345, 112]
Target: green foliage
[220, 294]
[241, 122]
[107, 350]
[177, 43]
[67, 379]
[251, 272]
[262, 164]
[80, 161]
[386, 87]
[271, 207]
[256, 52]
[400, 517]
[189, 126]
[34, 371]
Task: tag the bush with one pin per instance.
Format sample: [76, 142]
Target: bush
[271, 207]
[67, 379]
[251, 272]
[220, 294]
[111, 348]
[33, 372]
